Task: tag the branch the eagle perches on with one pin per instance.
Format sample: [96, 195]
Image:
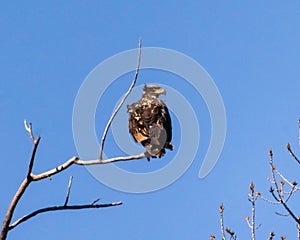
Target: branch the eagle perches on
[31, 177]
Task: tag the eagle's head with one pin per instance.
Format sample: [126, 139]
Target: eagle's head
[153, 90]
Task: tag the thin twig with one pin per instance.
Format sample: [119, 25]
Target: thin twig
[95, 201]
[282, 215]
[290, 194]
[28, 128]
[299, 132]
[35, 146]
[273, 195]
[268, 200]
[288, 146]
[252, 200]
[57, 208]
[274, 178]
[122, 101]
[68, 191]
[222, 221]
[298, 228]
[292, 184]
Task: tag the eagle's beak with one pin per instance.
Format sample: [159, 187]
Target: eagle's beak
[163, 91]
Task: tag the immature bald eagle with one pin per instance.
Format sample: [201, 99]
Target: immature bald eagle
[150, 122]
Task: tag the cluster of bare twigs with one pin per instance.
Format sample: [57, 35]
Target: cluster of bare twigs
[31, 177]
[252, 197]
[282, 190]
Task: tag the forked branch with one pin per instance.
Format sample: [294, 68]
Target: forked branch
[279, 196]
[6, 226]
[23, 185]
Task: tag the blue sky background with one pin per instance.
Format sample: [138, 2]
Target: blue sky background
[251, 50]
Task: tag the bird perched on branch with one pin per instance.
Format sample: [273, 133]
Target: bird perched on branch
[150, 123]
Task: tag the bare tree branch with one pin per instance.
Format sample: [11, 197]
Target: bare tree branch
[223, 230]
[268, 200]
[252, 211]
[23, 185]
[95, 201]
[298, 228]
[122, 101]
[75, 160]
[63, 207]
[12, 207]
[282, 215]
[252, 199]
[288, 146]
[32, 177]
[221, 209]
[68, 191]
[279, 196]
[299, 132]
[28, 128]
[292, 184]
[35, 146]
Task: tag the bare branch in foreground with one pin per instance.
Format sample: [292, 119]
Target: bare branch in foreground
[77, 161]
[32, 177]
[122, 101]
[68, 191]
[35, 146]
[280, 194]
[299, 132]
[221, 209]
[23, 185]
[95, 201]
[252, 198]
[28, 129]
[57, 208]
[6, 226]
[298, 227]
[288, 146]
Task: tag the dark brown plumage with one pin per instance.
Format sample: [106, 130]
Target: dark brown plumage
[150, 123]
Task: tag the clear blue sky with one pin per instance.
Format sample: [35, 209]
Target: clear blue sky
[251, 50]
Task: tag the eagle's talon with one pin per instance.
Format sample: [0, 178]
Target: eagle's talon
[148, 156]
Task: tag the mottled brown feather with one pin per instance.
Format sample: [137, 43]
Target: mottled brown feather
[150, 122]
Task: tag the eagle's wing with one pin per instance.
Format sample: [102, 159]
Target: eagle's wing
[137, 127]
[167, 123]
